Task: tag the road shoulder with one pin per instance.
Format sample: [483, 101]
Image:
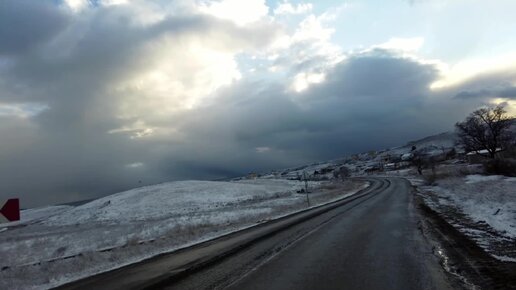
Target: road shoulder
[461, 256]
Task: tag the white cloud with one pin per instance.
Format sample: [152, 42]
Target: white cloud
[303, 80]
[238, 11]
[114, 2]
[312, 27]
[179, 76]
[77, 5]
[172, 70]
[403, 44]
[263, 149]
[136, 130]
[305, 51]
[21, 110]
[135, 165]
[288, 8]
[312, 51]
[461, 71]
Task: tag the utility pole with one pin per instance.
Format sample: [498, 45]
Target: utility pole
[306, 188]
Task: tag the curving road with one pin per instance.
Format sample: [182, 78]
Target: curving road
[369, 241]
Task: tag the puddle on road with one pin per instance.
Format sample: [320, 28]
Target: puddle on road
[444, 260]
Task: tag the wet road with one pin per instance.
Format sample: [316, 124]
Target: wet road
[371, 243]
[368, 241]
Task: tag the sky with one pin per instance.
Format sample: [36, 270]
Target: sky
[101, 96]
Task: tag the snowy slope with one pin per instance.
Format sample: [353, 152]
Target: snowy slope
[169, 199]
[34, 214]
[74, 242]
[490, 199]
[481, 206]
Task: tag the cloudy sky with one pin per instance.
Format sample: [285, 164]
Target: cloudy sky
[96, 96]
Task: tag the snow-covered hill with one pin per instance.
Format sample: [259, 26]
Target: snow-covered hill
[173, 199]
[61, 243]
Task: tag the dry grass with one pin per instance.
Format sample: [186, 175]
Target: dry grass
[444, 171]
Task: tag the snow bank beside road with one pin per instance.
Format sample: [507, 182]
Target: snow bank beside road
[489, 199]
[475, 178]
[482, 207]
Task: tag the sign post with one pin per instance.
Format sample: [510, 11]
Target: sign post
[306, 188]
[10, 211]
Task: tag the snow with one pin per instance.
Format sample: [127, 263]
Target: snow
[490, 199]
[485, 200]
[483, 151]
[475, 178]
[482, 200]
[481, 206]
[33, 215]
[30, 215]
[505, 258]
[59, 244]
[159, 201]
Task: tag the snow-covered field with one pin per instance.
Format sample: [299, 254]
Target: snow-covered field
[53, 245]
[489, 199]
[482, 207]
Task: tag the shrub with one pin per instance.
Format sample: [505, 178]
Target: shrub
[451, 154]
[470, 169]
[505, 167]
[430, 179]
[341, 172]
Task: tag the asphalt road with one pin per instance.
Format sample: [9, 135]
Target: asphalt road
[370, 241]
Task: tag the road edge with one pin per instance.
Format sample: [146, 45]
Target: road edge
[461, 256]
[187, 269]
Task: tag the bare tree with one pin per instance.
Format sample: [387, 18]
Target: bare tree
[418, 160]
[342, 172]
[485, 129]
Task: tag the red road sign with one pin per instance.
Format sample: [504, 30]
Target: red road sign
[10, 211]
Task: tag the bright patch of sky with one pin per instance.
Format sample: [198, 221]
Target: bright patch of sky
[21, 110]
[463, 38]
[452, 30]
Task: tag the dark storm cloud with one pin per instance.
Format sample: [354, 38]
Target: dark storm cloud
[486, 86]
[357, 93]
[65, 153]
[25, 24]
[368, 101]
[506, 93]
[380, 75]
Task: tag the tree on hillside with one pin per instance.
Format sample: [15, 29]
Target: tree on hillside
[485, 129]
[418, 160]
[341, 172]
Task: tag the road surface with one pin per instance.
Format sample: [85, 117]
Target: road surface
[371, 241]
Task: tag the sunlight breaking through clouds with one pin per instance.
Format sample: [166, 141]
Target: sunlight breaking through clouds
[287, 8]
[454, 74]
[21, 110]
[237, 11]
[194, 89]
[403, 44]
[302, 81]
